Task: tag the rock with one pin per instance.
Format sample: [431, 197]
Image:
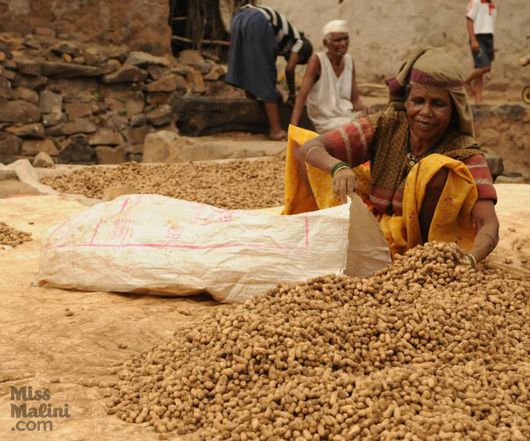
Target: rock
[110, 66]
[215, 74]
[481, 111]
[50, 102]
[523, 61]
[52, 119]
[45, 32]
[83, 97]
[7, 74]
[495, 164]
[136, 135]
[65, 47]
[4, 48]
[157, 99]
[6, 91]
[136, 149]
[93, 56]
[181, 69]
[79, 110]
[35, 130]
[105, 136]
[125, 74]
[193, 58]
[510, 180]
[29, 81]
[43, 160]
[119, 52]
[77, 151]
[19, 111]
[164, 146]
[31, 42]
[513, 112]
[138, 120]
[160, 116]
[8, 174]
[68, 70]
[34, 147]
[29, 67]
[116, 122]
[110, 155]
[124, 102]
[9, 144]
[10, 64]
[81, 125]
[143, 60]
[196, 81]
[489, 137]
[157, 72]
[23, 93]
[168, 83]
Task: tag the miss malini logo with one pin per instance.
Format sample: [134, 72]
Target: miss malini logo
[33, 411]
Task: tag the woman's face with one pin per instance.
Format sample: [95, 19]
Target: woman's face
[429, 111]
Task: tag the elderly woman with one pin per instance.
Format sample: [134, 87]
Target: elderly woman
[428, 179]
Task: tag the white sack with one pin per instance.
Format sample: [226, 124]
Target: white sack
[156, 244]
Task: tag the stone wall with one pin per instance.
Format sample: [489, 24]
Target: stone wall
[141, 24]
[85, 103]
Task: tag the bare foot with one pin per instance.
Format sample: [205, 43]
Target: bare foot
[278, 136]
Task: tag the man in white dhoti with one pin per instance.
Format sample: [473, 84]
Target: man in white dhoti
[329, 87]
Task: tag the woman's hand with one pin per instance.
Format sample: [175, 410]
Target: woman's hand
[344, 183]
[488, 229]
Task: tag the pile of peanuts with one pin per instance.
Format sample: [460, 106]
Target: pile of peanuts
[427, 349]
[11, 237]
[237, 184]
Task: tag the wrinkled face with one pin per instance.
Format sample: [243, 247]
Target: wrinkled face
[429, 111]
[337, 43]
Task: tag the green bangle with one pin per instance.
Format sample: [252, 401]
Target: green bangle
[337, 166]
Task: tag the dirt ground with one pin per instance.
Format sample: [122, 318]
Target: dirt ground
[68, 342]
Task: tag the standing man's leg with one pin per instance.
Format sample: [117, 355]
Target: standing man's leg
[482, 60]
[273, 115]
[474, 82]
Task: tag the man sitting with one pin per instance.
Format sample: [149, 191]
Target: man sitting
[329, 87]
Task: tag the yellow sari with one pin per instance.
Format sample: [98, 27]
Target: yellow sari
[452, 220]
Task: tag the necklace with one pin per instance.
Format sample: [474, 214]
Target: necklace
[411, 158]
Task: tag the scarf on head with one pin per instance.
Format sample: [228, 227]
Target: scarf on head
[433, 67]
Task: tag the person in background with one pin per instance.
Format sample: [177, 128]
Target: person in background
[329, 87]
[481, 15]
[258, 35]
[428, 179]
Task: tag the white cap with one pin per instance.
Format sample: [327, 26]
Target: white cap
[334, 26]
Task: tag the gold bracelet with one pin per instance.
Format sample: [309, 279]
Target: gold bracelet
[472, 260]
[311, 149]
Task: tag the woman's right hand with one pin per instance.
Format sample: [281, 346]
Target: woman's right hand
[344, 183]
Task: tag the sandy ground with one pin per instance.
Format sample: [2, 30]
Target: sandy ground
[44, 346]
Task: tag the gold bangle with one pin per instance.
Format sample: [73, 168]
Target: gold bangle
[472, 260]
[311, 149]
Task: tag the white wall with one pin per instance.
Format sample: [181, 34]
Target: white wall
[384, 30]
